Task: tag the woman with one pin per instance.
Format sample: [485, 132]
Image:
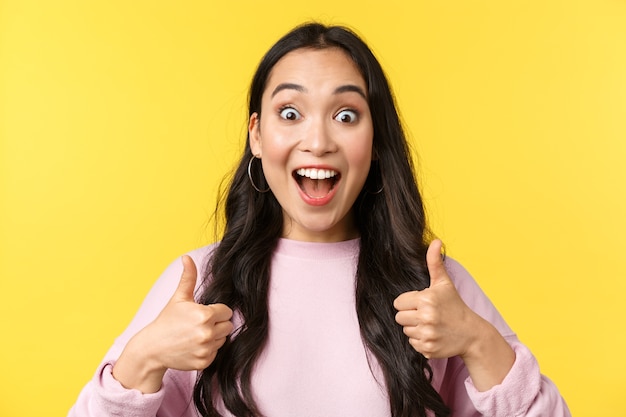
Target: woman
[324, 296]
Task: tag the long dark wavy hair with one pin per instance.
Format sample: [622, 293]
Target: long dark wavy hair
[392, 259]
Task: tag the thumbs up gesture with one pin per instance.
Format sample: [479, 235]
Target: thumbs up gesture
[436, 320]
[185, 336]
[189, 334]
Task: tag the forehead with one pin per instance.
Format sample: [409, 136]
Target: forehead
[308, 66]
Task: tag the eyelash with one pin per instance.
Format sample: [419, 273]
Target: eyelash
[354, 114]
[283, 108]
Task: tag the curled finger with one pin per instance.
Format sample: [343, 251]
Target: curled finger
[407, 318]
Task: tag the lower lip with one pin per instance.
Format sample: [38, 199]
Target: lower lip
[317, 201]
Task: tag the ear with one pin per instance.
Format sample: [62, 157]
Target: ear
[254, 133]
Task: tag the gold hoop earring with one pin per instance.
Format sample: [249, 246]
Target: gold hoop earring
[250, 176]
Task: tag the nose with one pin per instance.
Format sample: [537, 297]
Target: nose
[318, 138]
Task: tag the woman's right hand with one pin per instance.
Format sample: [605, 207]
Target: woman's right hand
[185, 336]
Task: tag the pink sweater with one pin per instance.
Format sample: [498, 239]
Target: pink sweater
[315, 363]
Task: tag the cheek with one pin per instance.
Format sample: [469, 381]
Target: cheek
[276, 152]
[274, 134]
[361, 151]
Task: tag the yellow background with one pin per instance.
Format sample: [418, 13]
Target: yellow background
[118, 120]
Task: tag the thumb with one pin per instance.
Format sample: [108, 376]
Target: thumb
[434, 261]
[187, 283]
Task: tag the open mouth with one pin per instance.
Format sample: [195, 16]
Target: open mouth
[316, 183]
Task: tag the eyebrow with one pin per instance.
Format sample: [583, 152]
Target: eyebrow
[288, 86]
[341, 89]
[350, 88]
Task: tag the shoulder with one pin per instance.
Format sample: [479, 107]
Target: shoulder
[475, 297]
[167, 282]
[200, 257]
[163, 289]
[464, 282]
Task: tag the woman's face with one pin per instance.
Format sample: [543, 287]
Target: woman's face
[314, 137]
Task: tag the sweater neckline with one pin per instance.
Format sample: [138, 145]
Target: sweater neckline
[318, 250]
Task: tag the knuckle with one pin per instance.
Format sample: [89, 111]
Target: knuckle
[198, 315]
[429, 317]
[208, 315]
[202, 361]
[429, 334]
[203, 335]
[215, 309]
[209, 335]
[204, 355]
[429, 348]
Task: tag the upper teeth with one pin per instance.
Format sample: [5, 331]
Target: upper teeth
[316, 174]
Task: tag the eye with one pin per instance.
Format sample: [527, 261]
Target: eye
[346, 116]
[289, 113]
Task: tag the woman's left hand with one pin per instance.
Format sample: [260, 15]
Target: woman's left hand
[439, 324]
[436, 320]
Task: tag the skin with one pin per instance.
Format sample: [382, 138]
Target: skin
[439, 324]
[185, 336]
[315, 114]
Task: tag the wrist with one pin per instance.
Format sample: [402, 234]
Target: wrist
[137, 369]
[483, 335]
[489, 357]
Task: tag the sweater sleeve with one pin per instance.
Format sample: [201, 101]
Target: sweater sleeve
[104, 396]
[524, 391]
